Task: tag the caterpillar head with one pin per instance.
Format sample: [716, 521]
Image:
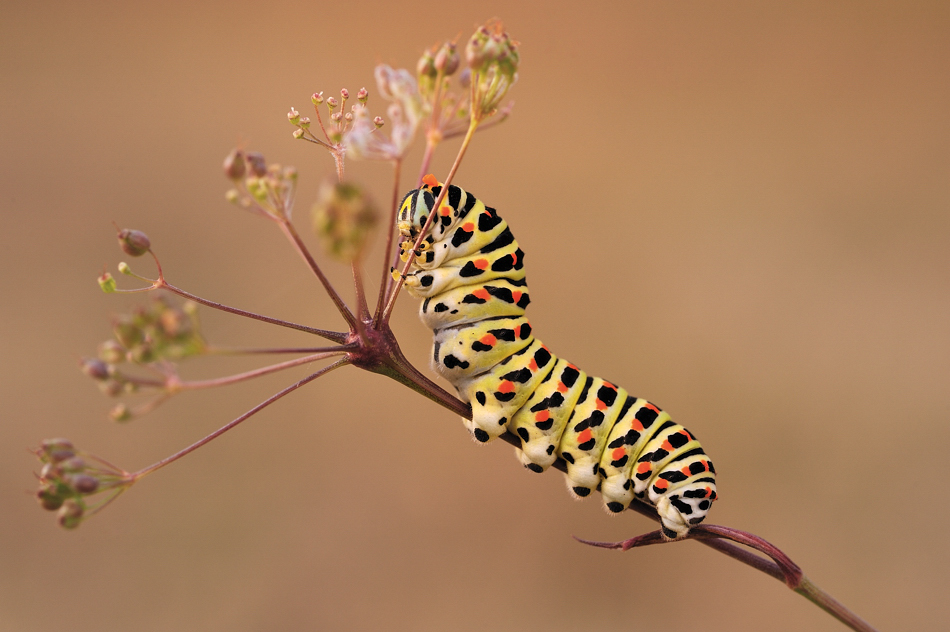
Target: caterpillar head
[414, 212]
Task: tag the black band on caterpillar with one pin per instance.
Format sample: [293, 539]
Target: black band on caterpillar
[469, 271]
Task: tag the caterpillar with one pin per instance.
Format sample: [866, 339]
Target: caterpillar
[469, 273]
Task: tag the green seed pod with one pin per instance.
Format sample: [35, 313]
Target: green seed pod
[49, 498]
[107, 283]
[70, 514]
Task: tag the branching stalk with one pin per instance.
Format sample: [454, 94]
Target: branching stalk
[220, 431]
[334, 336]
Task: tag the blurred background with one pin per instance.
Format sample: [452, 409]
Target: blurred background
[738, 210]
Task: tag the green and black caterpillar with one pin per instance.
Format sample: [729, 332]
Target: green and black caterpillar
[469, 271]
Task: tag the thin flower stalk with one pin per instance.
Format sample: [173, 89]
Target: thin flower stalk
[135, 476]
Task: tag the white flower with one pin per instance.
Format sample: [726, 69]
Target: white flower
[364, 141]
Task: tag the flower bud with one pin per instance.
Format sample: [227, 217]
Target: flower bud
[120, 413]
[293, 116]
[425, 67]
[134, 243]
[256, 162]
[332, 103]
[447, 59]
[83, 483]
[142, 354]
[234, 166]
[345, 94]
[110, 388]
[124, 268]
[49, 497]
[70, 514]
[73, 464]
[305, 122]
[362, 96]
[107, 283]
[95, 368]
[111, 352]
[56, 450]
[317, 98]
[378, 122]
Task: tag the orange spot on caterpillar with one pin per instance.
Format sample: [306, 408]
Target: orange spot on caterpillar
[445, 210]
[572, 366]
[430, 180]
[652, 407]
[636, 425]
[708, 492]
[506, 387]
[514, 258]
[533, 365]
[542, 415]
[609, 385]
[667, 446]
[562, 387]
[468, 227]
[482, 294]
[705, 465]
[488, 339]
[686, 471]
[516, 296]
[617, 454]
[643, 468]
[481, 264]
[661, 484]
[585, 436]
[601, 405]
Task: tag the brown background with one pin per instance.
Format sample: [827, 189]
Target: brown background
[737, 210]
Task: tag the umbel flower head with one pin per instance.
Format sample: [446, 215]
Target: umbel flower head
[493, 59]
[70, 477]
[342, 218]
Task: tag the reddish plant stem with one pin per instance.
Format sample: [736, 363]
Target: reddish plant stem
[220, 431]
[291, 233]
[266, 351]
[249, 375]
[334, 336]
[386, 278]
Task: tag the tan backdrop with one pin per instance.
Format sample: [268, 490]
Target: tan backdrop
[737, 210]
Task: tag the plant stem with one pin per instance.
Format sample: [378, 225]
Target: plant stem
[291, 233]
[249, 375]
[220, 431]
[386, 279]
[334, 336]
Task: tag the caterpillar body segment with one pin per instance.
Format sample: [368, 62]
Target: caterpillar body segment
[472, 303]
[469, 271]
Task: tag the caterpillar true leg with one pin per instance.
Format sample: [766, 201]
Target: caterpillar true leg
[469, 271]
